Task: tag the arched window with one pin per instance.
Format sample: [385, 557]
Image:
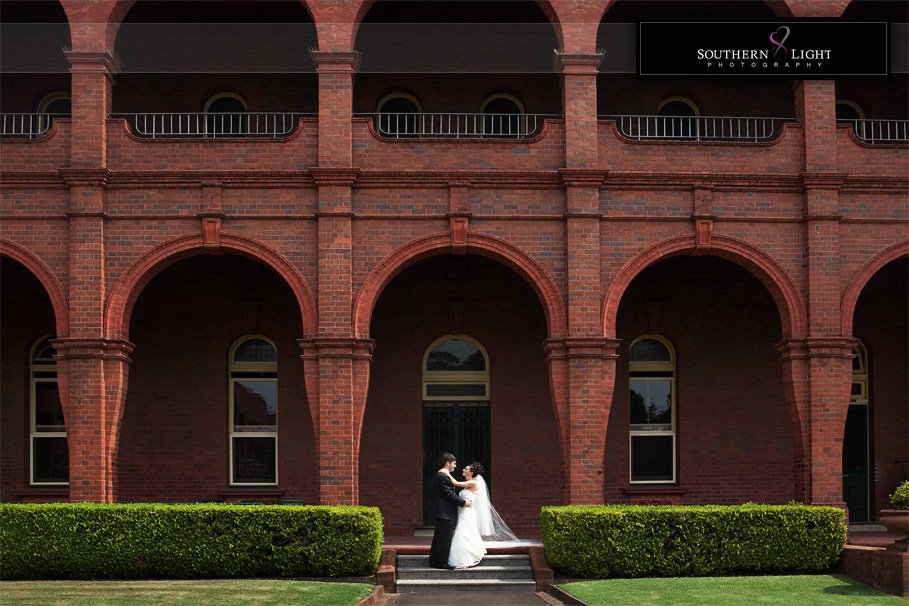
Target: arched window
[54, 105]
[49, 450]
[651, 379]
[502, 116]
[253, 411]
[678, 118]
[455, 367]
[399, 115]
[225, 116]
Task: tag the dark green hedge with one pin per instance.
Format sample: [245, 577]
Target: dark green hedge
[93, 541]
[638, 541]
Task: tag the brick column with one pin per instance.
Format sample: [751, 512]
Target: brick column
[582, 376]
[818, 377]
[92, 370]
[92, 374]
[579, 102]
[337, 377]
[818, 368]
[336, 364]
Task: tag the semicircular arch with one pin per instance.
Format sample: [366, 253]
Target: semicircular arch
[132, 282]
[48, 279]
[787, 297]
[862, 277]
[488, 246]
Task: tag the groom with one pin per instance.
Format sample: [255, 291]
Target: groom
[445, 504]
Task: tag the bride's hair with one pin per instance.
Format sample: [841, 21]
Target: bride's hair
[476, 468]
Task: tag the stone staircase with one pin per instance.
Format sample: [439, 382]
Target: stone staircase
[494, 573]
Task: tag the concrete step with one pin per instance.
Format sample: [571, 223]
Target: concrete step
[422, 561]
[494, 573]
[476, 573]
[434, 585]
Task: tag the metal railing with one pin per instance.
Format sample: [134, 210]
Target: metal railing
[212, 125]
[698, 128]
[458, 126]
[28, 126]
[880, 131]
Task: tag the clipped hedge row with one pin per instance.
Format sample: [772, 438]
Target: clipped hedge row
[94, 541]
[641, 540]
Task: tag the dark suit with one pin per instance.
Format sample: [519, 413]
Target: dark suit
[445, 504]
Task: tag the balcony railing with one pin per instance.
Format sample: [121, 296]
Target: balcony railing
[698, 128]
[26, 126]
[880, 131]
[458, 126]
[212, 125]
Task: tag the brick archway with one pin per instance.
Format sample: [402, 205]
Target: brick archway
[861, 278]
[131, 283]
[487, 246]
[47, 278]
[786, 296]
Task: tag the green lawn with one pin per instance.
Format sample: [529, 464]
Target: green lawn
[194, 593]
[801, 590]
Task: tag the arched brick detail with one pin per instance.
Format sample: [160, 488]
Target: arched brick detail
[788, 299]
[112, 13]
[780, 8]
[854, 290]
[130, 285]
[358, 11]
[480, 244]
[47, 278]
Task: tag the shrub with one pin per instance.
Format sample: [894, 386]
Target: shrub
[900, 497]
[638, 541]
[95, 541]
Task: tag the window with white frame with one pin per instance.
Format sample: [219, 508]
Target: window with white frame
[54, 105]
[859, 394]
[253, 412]
[455, 368]
[651, 370]
[49, 450]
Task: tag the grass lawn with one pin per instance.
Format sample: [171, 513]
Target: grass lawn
[801, 590]
[195, 593]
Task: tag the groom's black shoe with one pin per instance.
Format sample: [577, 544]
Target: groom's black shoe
[443, 566]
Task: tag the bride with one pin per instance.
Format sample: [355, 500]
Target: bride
[475, 523]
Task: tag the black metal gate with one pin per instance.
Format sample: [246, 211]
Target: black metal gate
[461, 428]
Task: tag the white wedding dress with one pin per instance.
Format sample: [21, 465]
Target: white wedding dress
[467, 547]
[476, 525]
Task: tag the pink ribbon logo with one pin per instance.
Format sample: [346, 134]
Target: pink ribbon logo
[779, 44]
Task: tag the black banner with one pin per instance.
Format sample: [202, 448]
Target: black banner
[791, 49]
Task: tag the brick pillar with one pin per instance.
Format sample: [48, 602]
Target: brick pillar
[92, 371]
[819, 367]
[582, 377]
[337, 375]
[818, 377]
[579, 102]
[336, 361]
[92, 375]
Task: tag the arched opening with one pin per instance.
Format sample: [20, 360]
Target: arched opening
[699, 337]
[192, 53]
[411, 45]
[217, 406]
[469, 370]
[32, 66]
[880, 394]
[32, 429]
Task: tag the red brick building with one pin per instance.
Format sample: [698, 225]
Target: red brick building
[299, 283]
